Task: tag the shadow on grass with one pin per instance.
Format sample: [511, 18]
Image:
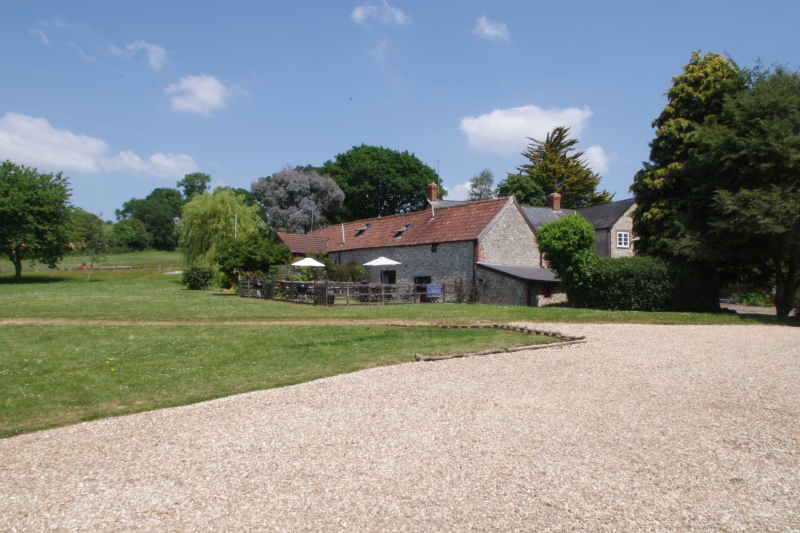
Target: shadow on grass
[33, 280]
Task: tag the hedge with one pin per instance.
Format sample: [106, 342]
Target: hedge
[646, 284]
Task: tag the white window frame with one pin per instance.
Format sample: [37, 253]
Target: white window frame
[623, 236]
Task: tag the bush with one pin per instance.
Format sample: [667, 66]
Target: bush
[131, 234]
[350, 272]
[567, 245]
[197, 277]
[757, 299]
[250, 253]
[646, 284]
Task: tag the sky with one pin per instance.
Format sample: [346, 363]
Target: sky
[124, 97]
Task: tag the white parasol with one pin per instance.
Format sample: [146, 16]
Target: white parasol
[308, 262]
[381, 261]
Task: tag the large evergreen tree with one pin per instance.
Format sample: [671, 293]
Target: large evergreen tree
[661, 188]
[554, 167]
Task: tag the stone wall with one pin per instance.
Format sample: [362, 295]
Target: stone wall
[510, 241]
[497, 289]
[538, 298]
[625, 223]
[450, 261]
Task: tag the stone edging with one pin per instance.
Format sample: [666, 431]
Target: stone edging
[565, 340]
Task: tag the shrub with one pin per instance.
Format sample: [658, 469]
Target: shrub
[131, 233]
[757, 299]
[250, 253]
[646, 284]
[197, 277]
[350, 272]
[567, 246]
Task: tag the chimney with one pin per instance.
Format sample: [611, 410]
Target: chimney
[554, 201]
[432, 192]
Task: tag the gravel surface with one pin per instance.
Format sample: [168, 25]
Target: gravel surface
[644, 428]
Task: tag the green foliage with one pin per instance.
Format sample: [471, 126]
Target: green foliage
[554, 168]
[527, 191]
[34, 215]
[758, 299]
[89, 236]
[480, 186]
[197, 277]
[567, 245]
[352, 272]
[378, 181]
[250, 253]
[209, 222]
[158, 212]
[646, 284]
[131, 234]
[195, 183]
[661, 188]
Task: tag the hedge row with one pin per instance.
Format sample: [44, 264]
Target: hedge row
[646, 284]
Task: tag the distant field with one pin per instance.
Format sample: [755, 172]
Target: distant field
[129, 259]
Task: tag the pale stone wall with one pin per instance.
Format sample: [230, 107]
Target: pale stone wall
[510, 241]
[497, 289]
[450, 261]
[625, 223]
[538, 299]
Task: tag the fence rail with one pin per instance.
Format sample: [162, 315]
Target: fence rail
[331, 293]
[156, 267]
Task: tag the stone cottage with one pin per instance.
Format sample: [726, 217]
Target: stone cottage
[490, 244]
[612, 222]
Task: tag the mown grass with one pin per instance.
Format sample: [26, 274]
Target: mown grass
[129, 259]
[59, 375]
[138, 295]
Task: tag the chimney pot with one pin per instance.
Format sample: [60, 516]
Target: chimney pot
[554, 201]
[432, 192]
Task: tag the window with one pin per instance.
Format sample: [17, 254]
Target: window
[399, 232]
[623, 239]
[361, 231]
[434, 246]
[422, 280]
[389, 277]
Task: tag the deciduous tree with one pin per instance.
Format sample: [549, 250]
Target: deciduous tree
[526, 191]
[194, 183]
[480, 187]
[34, 216]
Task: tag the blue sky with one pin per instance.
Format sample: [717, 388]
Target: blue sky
[126, 97]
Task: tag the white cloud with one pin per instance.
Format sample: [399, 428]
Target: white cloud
[460, 191]
[383, 13]
[83, 54]
[506, 131]
[156, 55]
[41, 35]
[199, 94]
[495, 31]
[381, 50]
[598, 159]
[32, 141]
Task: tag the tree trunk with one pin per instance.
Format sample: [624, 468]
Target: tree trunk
[787, 285]
[17, 269]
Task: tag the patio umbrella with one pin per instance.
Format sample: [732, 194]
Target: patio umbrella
[308, 262]
[381, 261]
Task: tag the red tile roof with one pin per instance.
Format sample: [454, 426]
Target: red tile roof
[458, 223]
[303, 244]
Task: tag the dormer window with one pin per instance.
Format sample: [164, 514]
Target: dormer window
[399, 232]
[361, 231]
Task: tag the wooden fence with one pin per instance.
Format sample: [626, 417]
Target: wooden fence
[331, 293]
[8, 268]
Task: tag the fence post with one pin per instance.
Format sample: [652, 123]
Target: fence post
[383, 300]
[347, 294]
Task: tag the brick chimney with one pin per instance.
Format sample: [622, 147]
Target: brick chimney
[432, 191]
[554, 201]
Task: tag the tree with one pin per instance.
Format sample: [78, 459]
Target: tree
[378, 181]
[159, 212]
[194, 183]
[553, 168]
[568, 247]
[250, 254]
[480, 187]
[742, 179]
[210, 220]
[661, 188]
[89, 237]
[132, 234]
[526, 191]
[34, 216]
[298, 200]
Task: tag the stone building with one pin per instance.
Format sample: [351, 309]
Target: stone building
[489, 244]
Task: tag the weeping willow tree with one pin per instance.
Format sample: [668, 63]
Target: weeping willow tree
[211, 220]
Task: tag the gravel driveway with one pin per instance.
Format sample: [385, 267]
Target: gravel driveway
[645, 428]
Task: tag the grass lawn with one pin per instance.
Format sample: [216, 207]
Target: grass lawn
[58, 375]
[138, 295]
[128, 259]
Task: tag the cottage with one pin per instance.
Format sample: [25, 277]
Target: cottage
[451, 242]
